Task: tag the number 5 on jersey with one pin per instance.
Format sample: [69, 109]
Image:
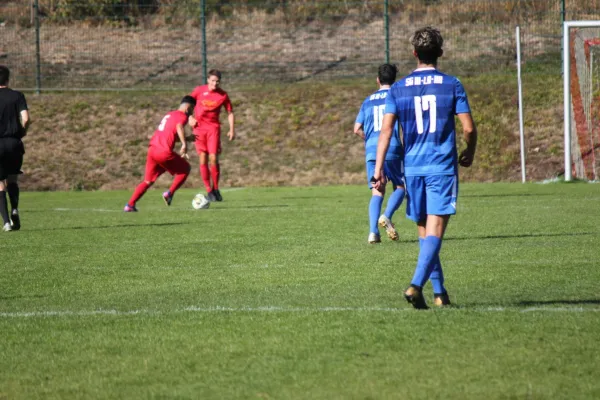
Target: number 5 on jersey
[422, 104]
[161, 127]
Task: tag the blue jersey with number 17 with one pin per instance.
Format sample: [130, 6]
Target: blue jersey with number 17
[371, 116]
[425, 103]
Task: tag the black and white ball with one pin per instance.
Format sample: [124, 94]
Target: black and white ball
[200, 202]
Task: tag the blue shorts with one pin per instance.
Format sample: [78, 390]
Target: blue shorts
[393, 170]
[431, 195]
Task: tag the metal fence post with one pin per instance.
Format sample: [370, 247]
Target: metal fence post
[386, 17]
[563, 14]
[203, 23]
[38, 69]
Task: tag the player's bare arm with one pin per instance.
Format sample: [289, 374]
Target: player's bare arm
[192, 122]
[231, 119]
[466, 156]
[181, 135]
[25, 121]
[385, 135]
[358, 130]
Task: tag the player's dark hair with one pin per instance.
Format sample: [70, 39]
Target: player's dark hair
[215, 72]
[427, 43]
[4, 75]
[387, 74]
[189, 100]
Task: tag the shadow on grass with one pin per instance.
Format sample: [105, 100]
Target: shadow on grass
[533, 303]
[253, 207]
[508, 195]
[111, 226]
[31, 296]
[523, 235]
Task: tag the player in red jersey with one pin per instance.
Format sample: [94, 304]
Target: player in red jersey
[161, 156]
[209, 100]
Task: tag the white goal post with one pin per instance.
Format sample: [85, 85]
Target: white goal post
[577, 52]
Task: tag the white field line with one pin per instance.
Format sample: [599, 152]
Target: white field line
[233, 189]
[275, 309]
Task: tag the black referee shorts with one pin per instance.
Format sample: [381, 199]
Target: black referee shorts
[11, 157]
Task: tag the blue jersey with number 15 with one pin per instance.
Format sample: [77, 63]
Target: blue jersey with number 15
[371, 116]
[425, 103]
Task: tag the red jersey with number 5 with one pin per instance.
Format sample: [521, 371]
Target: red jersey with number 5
[166, 134]
[208, 104]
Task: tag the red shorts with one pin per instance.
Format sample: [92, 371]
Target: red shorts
[208, 139]
[159, 161]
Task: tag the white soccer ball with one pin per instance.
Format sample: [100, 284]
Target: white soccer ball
[200, 202]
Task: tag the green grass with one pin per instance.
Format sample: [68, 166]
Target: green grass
[275, 294]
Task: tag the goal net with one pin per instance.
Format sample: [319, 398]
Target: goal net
[581, 60]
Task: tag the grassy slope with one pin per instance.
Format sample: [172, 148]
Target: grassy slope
[296, 134]
[314, 311]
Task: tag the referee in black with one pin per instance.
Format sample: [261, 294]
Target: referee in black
[14, 121]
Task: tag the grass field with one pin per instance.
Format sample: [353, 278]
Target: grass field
[275, 294]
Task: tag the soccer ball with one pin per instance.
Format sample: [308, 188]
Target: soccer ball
[200, 202]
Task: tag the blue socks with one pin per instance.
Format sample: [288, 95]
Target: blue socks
[374, 210]
[394, 202]
[437, 275]
[428, 257]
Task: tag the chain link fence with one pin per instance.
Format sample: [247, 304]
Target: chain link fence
[148, 44]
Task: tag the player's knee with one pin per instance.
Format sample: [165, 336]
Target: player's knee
[149, 183]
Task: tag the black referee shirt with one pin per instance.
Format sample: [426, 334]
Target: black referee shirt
[11, 105]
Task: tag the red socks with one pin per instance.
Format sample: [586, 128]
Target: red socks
[138, 193]
[205, 176]
[210, 173]
[215, 172]
[177, 182]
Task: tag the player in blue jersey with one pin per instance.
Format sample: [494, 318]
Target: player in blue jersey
[367, 126]
[425, 103]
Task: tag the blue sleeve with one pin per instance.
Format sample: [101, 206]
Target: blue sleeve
[390, 103]
[461, 102]
[360, 118]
